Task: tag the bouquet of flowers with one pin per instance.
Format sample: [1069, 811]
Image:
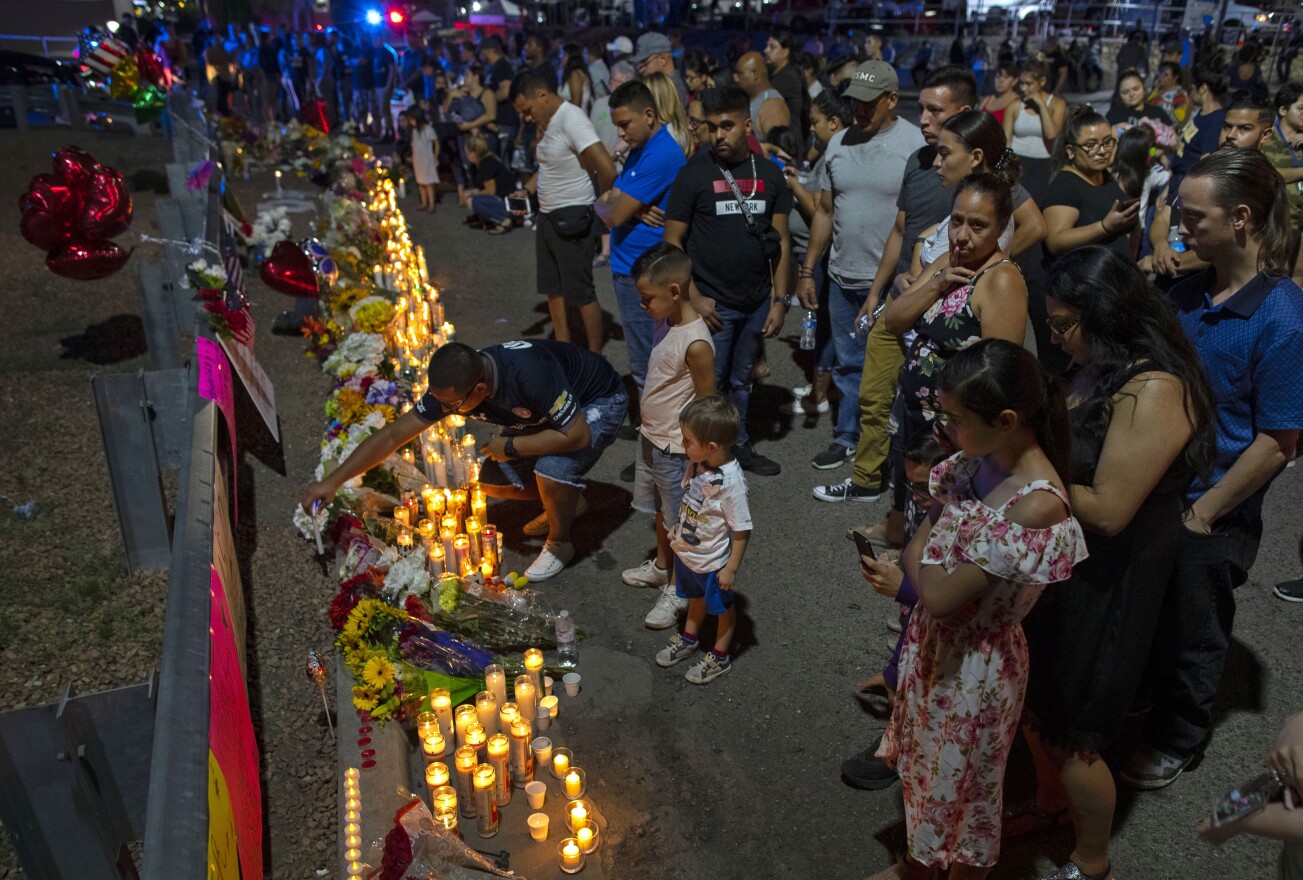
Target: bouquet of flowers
[272, 226]
[358, 353]
[372, 315]
[206, 276]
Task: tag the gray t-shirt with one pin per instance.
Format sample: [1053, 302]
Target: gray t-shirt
[923, 199]
[865, 181]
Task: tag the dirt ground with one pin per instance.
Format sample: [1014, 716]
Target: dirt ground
[735, 780]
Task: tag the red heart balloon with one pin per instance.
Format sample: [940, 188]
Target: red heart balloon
[75, 166]
[106, 211]
[289, 270]
[84, 260]
[50, 210]
[150, 67]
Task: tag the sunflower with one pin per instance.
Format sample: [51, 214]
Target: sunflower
[365, 699]
[378, 673]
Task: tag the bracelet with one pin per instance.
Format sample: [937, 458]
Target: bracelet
[803, 272]
[1105, 228]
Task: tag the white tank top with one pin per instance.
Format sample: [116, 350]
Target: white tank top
[1028, 139]
[668, 387]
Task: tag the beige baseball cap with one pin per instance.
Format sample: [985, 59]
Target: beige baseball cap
[872, 79]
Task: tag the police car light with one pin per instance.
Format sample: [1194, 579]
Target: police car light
[373, 17]
[395, 16]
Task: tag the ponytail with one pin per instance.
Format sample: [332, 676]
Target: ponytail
[1054, 430]
[978, 130]
[1246, 177]
[1079, 116]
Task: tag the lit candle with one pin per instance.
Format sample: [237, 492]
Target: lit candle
[476, 738]
[534, 666]
[355, 869]
[473, 534]
[550, 703]
[572, 858]
[447, 533]
[405, 539]
[522, 760]
[488, 541]
[443, 803]
[465, 717]
[587, 839]
[560, 764]
[486, 801]
[499, 748]
[352, 841]
[426, 723]
[507, 713]
[578, 812]
[441, 704]
[486, 569]
[436, 774]
[434, 560]
[495, 680]
[526, 696]
[352, 803]
[574, 785]
[427, 530]
[461, 550]
[434, 746]
[402, 515]
[465, 760]
[486, 707]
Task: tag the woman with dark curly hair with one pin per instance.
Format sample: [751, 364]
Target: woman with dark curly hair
[1142, 428]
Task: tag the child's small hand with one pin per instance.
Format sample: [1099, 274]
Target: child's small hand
[883, 575]
[1217, 834]
[726, 577]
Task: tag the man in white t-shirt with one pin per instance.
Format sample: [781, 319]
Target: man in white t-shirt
[574, 168]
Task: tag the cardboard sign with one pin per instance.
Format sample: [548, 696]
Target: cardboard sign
[256, 382]
[230, 732]
[215, 384]
[228, 564]
[223, 850]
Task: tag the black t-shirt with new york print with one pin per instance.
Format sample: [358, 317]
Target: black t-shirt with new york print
[728, 261]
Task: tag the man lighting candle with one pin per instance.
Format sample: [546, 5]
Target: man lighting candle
[559, 406]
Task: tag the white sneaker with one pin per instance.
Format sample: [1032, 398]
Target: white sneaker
[802, 391]
[665, 613]
[551, 560]
[649, 574]
[539, 525]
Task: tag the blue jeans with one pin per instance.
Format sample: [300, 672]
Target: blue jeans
[848, 359]
[737, 346]
[489, 207]
[823, 358]
[604, 416]
[638, 326]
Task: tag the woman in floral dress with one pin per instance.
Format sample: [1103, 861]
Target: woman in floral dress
[972, 292]
[999, 530]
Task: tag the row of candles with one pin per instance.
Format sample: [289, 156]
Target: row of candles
[446, 453]
[494, 751]
[352, 823]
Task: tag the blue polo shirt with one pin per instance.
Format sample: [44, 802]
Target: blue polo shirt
[1250, 348]
[648, 174]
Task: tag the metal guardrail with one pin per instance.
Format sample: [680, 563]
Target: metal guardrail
[45, 42]
[82, 778]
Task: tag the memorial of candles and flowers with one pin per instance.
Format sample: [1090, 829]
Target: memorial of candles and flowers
[432, 633]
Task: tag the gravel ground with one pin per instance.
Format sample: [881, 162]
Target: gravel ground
[735, 780]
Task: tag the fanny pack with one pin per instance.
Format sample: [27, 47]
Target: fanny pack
[575, 221]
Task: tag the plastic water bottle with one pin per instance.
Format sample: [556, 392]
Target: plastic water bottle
[567, 650]
[1174, 240]
[808, 324]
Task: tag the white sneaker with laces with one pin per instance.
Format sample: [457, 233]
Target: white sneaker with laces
[550, 562]
[665, 613]
[649, 574]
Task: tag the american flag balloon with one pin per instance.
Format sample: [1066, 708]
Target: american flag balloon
[107, 55]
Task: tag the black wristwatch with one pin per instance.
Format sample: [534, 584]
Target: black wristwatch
[509, 447]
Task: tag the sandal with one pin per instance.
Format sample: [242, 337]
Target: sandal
[1070, 871]
[1028, 817]
[501, 229]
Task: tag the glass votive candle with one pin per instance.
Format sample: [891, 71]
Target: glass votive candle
[572, 856]
[561, 758]
[588, 836]
[464, 717]
[403, 515]
[542, 751]
[578, 812]
[486, 709]
[425, 723]
[434, 746]
[477, 738]
[443, 804]
[507, 713]
[436, 774]
[534, 666]
[574, 783]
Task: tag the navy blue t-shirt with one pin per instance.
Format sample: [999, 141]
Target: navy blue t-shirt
[537, 384]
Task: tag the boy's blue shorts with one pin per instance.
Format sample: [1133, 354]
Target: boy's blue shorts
[691, 584]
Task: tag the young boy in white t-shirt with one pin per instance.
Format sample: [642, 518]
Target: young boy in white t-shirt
[711, 535]
[681, 367]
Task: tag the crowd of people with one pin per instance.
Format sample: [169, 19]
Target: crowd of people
[1060, 346]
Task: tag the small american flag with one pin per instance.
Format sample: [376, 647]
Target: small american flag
[107, 55]
[239, 316]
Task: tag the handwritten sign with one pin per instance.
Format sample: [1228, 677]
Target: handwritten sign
[255, 381]
[230, 731]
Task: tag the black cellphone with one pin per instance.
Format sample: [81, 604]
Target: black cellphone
[862, 543]
[1127, 203]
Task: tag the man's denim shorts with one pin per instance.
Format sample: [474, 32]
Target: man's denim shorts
[604, 416]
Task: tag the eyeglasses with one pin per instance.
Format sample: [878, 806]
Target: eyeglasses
[457, 407]
[1061, 330]
[695, 123]
[1098, 146]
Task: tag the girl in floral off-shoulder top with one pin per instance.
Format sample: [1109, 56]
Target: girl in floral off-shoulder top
[999, 530]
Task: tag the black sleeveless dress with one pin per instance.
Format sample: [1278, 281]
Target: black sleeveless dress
[1088, 637]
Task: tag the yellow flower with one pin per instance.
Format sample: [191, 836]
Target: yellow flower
[378, 673]
[365, 699]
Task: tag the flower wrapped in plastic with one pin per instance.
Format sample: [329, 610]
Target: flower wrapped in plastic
[357, 353]
[425, 646]
[372, 315]
[417, 846]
